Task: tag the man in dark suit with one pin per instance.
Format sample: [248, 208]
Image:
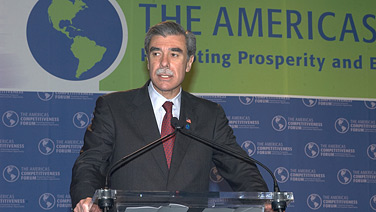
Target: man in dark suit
[126, 121]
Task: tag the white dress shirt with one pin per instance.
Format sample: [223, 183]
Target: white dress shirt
[157, 100]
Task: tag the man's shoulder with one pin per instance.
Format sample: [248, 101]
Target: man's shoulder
[124, 99]
[122, 95]
[118, 94]
[197, 100]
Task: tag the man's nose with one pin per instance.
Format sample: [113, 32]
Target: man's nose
[165, 63]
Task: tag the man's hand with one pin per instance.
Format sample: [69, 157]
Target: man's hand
[85, 205]
[268, 208]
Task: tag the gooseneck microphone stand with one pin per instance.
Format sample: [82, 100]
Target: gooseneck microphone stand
[277, 205]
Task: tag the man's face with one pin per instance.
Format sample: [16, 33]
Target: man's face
[167, 63]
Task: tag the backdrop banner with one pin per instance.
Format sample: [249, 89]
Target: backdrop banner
[295, 77]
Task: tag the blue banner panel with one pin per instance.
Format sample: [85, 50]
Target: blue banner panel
[323, 150]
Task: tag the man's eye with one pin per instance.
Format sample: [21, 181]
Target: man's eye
[156, 53]
[175, 55]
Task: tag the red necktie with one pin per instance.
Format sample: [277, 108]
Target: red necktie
[168, 145]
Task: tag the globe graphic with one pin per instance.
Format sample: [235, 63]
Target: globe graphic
[11, 173]
[314, 201]
[279, 123]
[281, 174]
[371, 151]
[344, 176]
[10, 118]
[80, 120]
[46, 146]
[74, 39]
[342, 125]
[47, 201]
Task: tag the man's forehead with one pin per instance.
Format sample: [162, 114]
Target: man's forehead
[172, 42]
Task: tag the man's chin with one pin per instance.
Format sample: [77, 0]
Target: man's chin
[167, 91]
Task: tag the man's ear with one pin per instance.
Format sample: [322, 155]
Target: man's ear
[189, 63]
[147, 62]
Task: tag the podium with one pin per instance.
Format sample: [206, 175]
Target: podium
[164, 201]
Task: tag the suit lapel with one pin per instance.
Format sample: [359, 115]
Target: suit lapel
[144, 118]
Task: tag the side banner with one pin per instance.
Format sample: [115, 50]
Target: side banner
[300, 48]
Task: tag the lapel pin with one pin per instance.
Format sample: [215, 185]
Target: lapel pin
[188, 125]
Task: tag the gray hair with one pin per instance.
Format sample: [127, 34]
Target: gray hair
[171, 28]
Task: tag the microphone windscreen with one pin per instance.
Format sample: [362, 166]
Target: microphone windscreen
[176, 123]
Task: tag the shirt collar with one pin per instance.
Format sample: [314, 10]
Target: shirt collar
[158, 100]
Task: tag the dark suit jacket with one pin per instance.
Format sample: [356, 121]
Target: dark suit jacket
[124, 122]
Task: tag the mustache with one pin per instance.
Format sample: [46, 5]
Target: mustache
[164, 71]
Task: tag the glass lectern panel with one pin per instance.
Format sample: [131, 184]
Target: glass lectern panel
[163, 201]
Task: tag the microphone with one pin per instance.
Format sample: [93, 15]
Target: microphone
[182, 128]
[176, 123]
[106, 197]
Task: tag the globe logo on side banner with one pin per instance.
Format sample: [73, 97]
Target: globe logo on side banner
[370, 104]
[344, 176]
[45, 96]
[371, 151]
[279, 123]
[46, 146]
[372, 202]
[11, 173]
[47, 201]
[312, 150]
[314, 201]
[281, 174]
[249, 147]
[309, 102]
[342, 125]
[215, 176]
[10, 118]
[75, 40]
[246, 100]
[80, 120]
